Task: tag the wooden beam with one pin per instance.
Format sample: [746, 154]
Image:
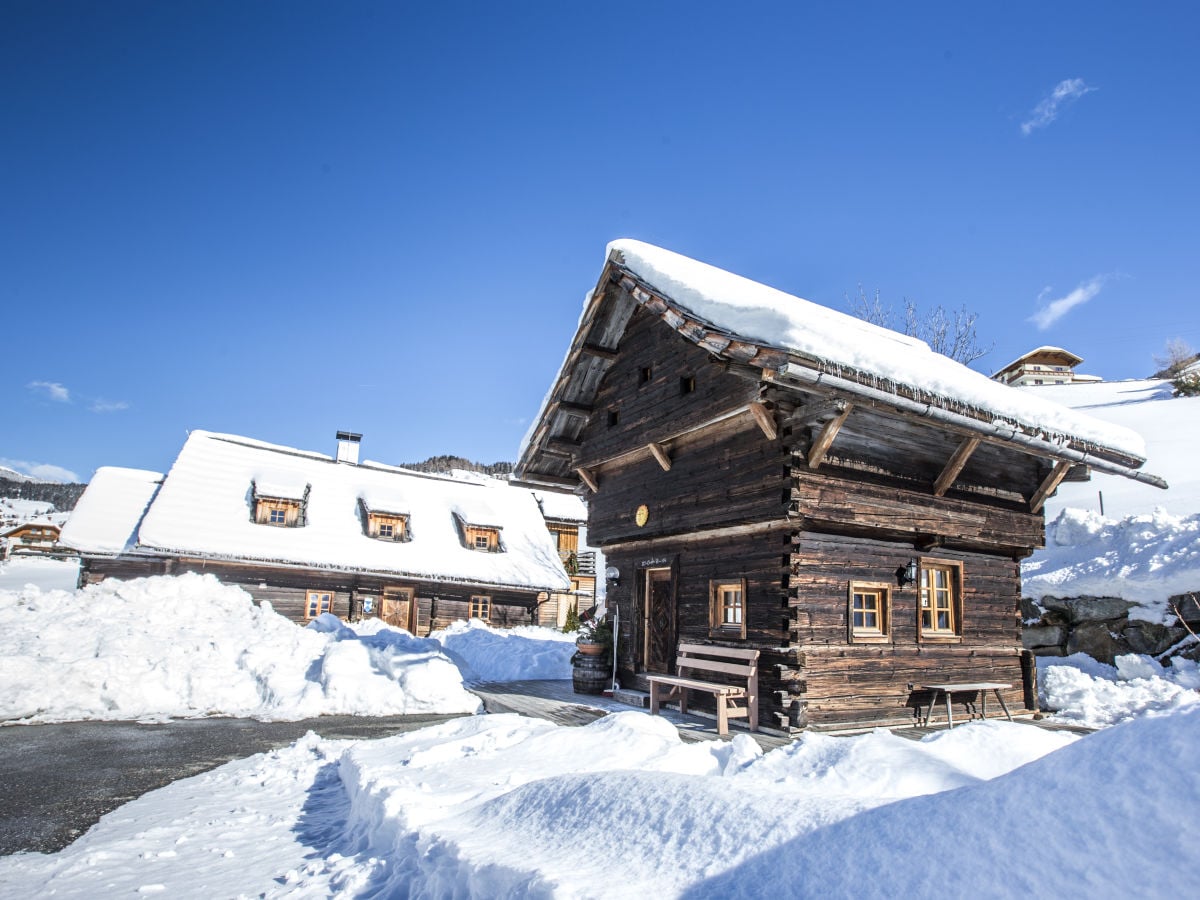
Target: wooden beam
[954, 465]
[563, 443]
[660, 454]
[1049, 485]
[764, 419]
[582, 410]
[824, 440]
[599, 352]
[589, 479]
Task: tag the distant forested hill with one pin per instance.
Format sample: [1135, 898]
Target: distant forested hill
[444, 464]
[63, 496]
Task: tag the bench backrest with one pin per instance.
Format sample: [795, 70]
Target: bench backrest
[727, 660]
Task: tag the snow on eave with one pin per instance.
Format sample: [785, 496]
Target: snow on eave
[850, 349]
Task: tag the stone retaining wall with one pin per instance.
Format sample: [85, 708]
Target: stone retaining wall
[1101, 627]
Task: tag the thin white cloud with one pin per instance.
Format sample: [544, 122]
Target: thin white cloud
[46, 471]
[107, 406]
[1056, 309]
[51, 389]
[1044, 113]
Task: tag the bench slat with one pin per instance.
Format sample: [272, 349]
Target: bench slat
[731, 652]
[692, 684]
[712, 665]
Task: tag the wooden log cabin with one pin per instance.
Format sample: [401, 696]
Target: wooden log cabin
[763, 472]
[313, 534]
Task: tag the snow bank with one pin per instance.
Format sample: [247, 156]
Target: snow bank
[506, 806]
[1084, 692]
[185, 646]
[36, 571]
[1144, 559]
[514, 654]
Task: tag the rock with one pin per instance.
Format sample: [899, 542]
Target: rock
[1150, 638]
[1030, 609]
[1097, 641]
[1036, 637]
[1051, 651]
[1089, 609]
[1188, 606]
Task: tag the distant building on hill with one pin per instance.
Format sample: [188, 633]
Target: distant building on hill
[1044, 365]
[36, 536]
[316, 534]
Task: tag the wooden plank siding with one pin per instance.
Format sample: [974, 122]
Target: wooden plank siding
[846, 684]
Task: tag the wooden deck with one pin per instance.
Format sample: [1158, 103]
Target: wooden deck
[556, 701]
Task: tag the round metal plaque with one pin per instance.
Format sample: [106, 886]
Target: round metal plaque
[642, 515]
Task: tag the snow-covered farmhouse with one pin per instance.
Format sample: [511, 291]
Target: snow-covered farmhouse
[39, 535]
[768, 474]
[1043, 365]
[313, 534]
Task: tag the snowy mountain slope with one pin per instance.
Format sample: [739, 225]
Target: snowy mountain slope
[1146, 546]
[1169, 425]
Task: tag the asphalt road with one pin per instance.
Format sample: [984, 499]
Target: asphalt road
[56, 781]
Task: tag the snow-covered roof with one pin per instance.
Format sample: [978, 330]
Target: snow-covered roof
[840, 343]
[204, 508]
[105, 519]
[561, 507]
[802, 346]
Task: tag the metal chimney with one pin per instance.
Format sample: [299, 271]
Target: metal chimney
[347, 447]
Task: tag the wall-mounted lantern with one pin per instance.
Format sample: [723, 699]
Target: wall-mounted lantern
[612, 575]
[907, 574]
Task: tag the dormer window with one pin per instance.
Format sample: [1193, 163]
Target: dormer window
[387, 526]
[485, 540]
[274, 511]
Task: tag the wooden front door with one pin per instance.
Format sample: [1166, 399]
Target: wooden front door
[398, 608]
[659, 622]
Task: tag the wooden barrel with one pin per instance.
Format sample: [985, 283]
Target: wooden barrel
[590, 674]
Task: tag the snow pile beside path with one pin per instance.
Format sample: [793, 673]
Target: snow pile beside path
[1099, 843]
[508, 806]
[495, 806]
[514, 654]
[1144, 559]
[1085, 692]
[185, 646]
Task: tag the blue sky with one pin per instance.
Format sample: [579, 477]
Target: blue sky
[285, 219]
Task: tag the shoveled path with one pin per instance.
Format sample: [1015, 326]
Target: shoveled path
[56, 781]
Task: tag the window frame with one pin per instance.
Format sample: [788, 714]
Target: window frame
[717, 626]
[954, 570]
[863, 634]
[327, 603]
[478, 603]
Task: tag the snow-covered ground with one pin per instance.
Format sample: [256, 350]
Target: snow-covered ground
[493, 806]
[42, 572]
[504, 806]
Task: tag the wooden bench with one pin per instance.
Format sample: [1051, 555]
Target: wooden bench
[704, 658]
[971, 688]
